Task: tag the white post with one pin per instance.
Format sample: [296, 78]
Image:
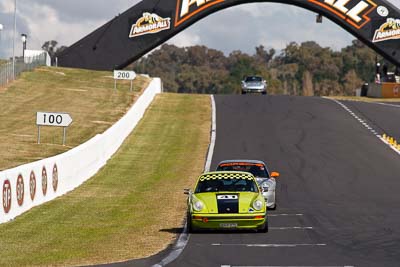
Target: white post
[15, 30]
[64, 135]
[38, 139]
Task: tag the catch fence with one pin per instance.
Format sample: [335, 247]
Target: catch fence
[21, 64]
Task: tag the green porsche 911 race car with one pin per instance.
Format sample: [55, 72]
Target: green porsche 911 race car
[226, 200]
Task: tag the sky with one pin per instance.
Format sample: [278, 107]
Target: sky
[270, 24]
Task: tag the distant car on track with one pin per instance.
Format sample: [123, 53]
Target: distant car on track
[258, 168]
[254, 84]
[226, 200]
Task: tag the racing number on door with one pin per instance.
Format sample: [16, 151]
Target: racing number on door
[52, 119]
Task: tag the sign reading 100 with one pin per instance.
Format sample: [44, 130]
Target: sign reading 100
[53, 119]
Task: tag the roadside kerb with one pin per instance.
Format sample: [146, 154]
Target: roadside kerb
[74, 166]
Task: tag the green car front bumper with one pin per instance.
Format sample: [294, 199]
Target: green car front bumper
[228, 221]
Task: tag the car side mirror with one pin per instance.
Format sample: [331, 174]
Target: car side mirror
[187, 191]
[275, 174]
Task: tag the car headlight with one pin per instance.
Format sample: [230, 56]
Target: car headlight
[265, 187]
[198, 205]
[258, 204]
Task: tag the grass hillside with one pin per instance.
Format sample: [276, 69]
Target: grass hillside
[89, 97]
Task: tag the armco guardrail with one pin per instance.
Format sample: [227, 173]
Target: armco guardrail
[35, 183]
[21, 65]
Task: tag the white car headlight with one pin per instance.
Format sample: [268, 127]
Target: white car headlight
[265, 186]
[198, 205]
[258, 204]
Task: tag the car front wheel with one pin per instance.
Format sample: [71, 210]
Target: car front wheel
[189, 223]
[264, 228]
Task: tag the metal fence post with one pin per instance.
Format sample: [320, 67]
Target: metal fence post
[10, 70]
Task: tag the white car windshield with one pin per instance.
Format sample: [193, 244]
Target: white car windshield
[253, 79]
[257, 169]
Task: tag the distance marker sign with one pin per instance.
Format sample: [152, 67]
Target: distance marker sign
[124, 75]
[53, 119]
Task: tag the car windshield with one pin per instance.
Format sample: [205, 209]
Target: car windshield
[226, 185]
[253, 79]
[257, 169]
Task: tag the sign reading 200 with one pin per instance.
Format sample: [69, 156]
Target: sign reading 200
[124, 75]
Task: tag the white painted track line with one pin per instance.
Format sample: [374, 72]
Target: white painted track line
[284, 214]
[369, 128]
[269, 245]
[288, 266]
[213, 135]
[389, 105]
[292, 228]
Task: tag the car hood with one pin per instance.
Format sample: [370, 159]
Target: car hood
[246, 200]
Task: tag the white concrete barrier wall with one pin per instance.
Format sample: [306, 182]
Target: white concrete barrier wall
[33, 184]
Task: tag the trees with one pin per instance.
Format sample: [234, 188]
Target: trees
[308, 88]
[52, 48]
[351, 82]
[300, 69]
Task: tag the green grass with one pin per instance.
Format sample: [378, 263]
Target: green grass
[89, 97]
[132, 207]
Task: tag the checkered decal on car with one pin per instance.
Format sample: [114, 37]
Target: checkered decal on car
[226, 175]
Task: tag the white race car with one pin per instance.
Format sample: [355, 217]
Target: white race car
[265, 179]
[254, 84]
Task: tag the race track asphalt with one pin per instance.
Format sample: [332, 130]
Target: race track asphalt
[384, 117]
[338, 194]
